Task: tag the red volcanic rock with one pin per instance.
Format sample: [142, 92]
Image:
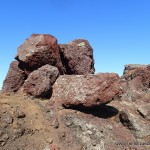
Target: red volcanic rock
[39, 82]
[86, 90]
[139, 77]
[131, 67]
[138, 83]
[77, 57]
[14, 79]
[39, 50]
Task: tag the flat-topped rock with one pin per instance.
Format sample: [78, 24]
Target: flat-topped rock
[86, 90]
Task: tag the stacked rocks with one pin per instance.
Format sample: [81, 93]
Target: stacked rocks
[40, 60]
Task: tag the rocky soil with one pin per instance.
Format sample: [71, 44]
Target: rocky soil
[30, 124]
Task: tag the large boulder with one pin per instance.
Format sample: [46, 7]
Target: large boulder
[77, 57]
[86, 90]
[14, 79]
[39, 50]
[39, 82]
[138, 82]
[131, 67]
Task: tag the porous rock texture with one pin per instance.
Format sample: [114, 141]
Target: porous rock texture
[39, 82]
[86, 90]
[77, 57]
[39, 50]
[14, 79]
[131, 67]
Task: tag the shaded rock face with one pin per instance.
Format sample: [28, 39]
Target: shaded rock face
[131, 67]
[132, 121]
[138, 83]
[86, 90]
[143, 72]
[77, 57]
[39, 82]
[135, 100]
[39, 50]
[14, 79]
[144, 110]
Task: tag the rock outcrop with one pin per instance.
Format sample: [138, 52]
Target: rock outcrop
[82, 111]
[86, 90]
[40, 50]
[14, 79]
[77, 57]
[39, 82]
[138, 83]
[131, 67]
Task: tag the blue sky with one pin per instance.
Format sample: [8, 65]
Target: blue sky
[118, 30]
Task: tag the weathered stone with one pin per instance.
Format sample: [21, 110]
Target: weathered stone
[142, 72]
[39, 50]
[135, 123]
[14, 79]
[137, 78]
[86, 90]
[131, 67]
[4, 138]
[77, 57]
[144, 110]
[20, 114]
[39, 82]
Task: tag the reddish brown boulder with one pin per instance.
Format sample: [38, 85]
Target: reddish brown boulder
[138, 78]
[86, 90]
[39, 50]
[14, 79]
[77, 57]
[39, 82]
[138, 83]
[131, 67]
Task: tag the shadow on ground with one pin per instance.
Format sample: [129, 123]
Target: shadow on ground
[103, 111]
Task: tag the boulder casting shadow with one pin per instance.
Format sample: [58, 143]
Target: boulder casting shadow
[102, 111]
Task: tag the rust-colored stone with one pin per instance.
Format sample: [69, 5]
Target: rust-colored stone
[86, 90]
[39, 82]
[14, 79]
[77, 57]
[39, 50]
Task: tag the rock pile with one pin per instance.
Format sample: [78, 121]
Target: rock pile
[85, 111]
[40, 60]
